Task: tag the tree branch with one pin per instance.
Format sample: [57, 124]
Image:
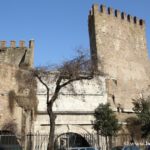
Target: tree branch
[76, 79]
[56, 92]
[46, 86]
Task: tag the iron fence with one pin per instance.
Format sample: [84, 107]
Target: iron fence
[9, 142]
[62, 142]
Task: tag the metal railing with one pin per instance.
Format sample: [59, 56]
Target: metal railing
[62, 142]
[9, 142]
[40, 141]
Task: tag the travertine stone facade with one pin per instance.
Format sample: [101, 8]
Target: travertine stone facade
[118, 47]
[74, 110]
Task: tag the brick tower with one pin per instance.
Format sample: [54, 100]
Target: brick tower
[118, 48]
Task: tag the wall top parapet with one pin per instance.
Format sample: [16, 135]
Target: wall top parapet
[102, 9]
[3, 44]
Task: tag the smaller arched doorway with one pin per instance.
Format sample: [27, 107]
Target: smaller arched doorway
[69, 140]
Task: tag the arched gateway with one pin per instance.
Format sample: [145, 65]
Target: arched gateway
[70, 135]
[70, 139]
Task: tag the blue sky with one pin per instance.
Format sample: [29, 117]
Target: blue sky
[58, 26]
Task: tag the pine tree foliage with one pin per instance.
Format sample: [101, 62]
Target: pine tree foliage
[105, 122]
[142, 109]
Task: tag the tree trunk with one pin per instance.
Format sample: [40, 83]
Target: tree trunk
[52, 118]
[110, 142]
[106, 143]
[98, 142]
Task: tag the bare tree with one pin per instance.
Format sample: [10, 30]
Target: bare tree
[79, 68]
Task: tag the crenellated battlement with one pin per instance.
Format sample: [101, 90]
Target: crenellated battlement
[12, 44]
[115, 13]
[17, 54]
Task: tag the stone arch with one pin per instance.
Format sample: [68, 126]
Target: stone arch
[86, 133]
[70, 139]
[10, 126]
[71, 128]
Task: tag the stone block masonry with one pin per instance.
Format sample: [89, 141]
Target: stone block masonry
[118, 48]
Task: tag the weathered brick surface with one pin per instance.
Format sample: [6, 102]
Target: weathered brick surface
[118, 44]
[7, 83]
